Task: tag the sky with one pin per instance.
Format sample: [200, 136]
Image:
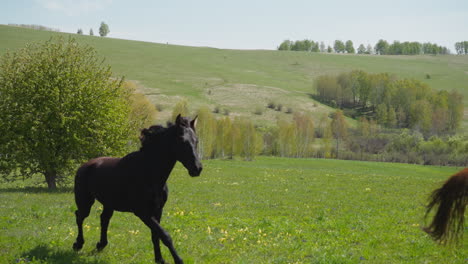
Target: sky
[250, 24]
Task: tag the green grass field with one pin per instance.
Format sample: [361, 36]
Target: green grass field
[271, 210]
[242, 80]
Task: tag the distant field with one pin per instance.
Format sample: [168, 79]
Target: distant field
[272, 210]
[241, 80]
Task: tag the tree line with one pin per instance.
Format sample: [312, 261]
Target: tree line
[36, 27]
[331, 137]
[461, 47]
[408, 48]
[103, 30]
[382, 47]
[393, 102]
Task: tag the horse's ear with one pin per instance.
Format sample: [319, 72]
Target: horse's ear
[178, 120]
[193, 123]
[144, 134]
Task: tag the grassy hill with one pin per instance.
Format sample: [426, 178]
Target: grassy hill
[242, 81]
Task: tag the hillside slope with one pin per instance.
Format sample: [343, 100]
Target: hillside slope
[240, 80]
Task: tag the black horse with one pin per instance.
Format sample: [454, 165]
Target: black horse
[137, 182]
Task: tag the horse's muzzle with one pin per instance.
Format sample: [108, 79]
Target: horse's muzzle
[196, 172]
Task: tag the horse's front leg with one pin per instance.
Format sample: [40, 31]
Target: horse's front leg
[105, 219]
[159, 232]
[155, 239]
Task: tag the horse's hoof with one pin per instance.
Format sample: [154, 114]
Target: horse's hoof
[77, 246]
[101, 245]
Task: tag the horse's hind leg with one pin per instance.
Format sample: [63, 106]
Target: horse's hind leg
[105, 219]
[84, 207]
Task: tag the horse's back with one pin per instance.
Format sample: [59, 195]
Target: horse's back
[93, 173]
[88, 168]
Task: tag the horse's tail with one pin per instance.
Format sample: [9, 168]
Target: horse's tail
[451, 199]
[82, 188]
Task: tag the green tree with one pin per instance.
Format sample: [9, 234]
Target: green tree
[381, 47]
[363, 127]
[103, 29]
[455, 110]
[224, 137]
[315, 47]
[364, 86]
[328, 88]
[285, 45]
[391, 117]
[350, 47]
[327, 137]
[91, 32]
[361, 49]
[59, 106]
[339, 46]
[339, 129]
[421, 116]
[286, 138]
[236, 132]
[304, 134]
[381, 114]
[206, 131]
[401, 118]
[79, 32]
[250, 139]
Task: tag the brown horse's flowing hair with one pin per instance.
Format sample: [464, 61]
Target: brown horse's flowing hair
[451, 199]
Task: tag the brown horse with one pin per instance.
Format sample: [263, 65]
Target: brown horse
[137, 182]
[449, 219]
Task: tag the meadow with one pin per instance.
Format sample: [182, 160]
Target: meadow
[272, 210]
[244, 80]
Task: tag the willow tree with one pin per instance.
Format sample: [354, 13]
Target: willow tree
[206, 131]
[59, 105]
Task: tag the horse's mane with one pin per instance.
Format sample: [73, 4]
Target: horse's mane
[150, 135]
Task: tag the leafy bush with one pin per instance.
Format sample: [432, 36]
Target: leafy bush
[60, 105]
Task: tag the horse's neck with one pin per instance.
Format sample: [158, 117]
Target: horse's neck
[160, 166]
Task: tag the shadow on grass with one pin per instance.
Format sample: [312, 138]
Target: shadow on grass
[36, 190]
[44, 254]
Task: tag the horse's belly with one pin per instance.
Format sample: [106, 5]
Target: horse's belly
[116, 203]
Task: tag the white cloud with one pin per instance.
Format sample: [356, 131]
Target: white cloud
[74, 7]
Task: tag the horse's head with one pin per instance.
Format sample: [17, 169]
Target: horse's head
[186, 144]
